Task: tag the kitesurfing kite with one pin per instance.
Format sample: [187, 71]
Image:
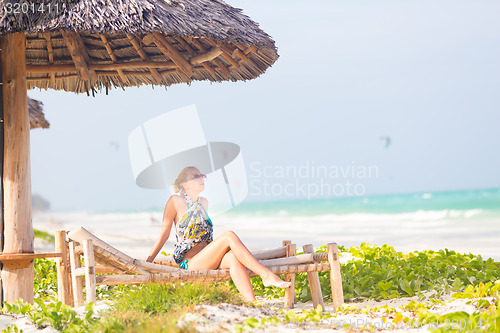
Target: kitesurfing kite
[387, 141]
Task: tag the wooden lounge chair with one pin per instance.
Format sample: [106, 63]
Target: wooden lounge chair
[119, 268]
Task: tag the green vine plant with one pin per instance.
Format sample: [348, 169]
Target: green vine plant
[380, 272]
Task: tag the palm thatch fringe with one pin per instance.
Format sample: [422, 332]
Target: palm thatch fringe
[99, 44]
[37, 118]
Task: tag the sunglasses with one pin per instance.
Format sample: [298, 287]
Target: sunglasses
[199, 176]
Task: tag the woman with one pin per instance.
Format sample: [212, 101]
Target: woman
[195, 248]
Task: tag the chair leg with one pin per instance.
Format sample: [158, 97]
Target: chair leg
[290, 292]
[88, 257]
[335, 276]
[314, 285]
[77, 281]
[63, 282]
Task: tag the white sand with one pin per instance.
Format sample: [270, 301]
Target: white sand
[225, 317]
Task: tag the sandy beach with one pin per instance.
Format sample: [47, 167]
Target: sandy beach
[135, 233]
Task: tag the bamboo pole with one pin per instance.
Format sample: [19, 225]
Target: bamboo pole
[270, 254]
[88, 257]
[335, 276]
[50, 52]
[1, 183]
[208, 56]
[18, 231]
[138, 48]
[80, 56]
[314, 284]
[225, 53]
[224, 70]
[60, 68]
[63, 288]
[112, 56]
[293, 260]
[68, 262]
[289, 292]
[99, 269]
[76, 280]
[202, 276]
[185, 68]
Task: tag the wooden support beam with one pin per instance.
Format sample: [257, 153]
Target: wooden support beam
[138, 48]
[62, 77]
[18, 229]
[79, 55]
[335, 276]
[270, 254]
[76, 281]
[115, 66]
[207, 56]
[289, 292]
[107, 73]
[112, 56]
[63, 282]
[226, 52]
[242, 56]
[134, 73]
[192, 53]
[51, 57]
[23, 260]
[186, 45]
[250, 49]
[170, 52]
[88, 258]
[101, 269]
[224, 70]
[209, 69]
[222, 67]
[201, 276]
[314, 284]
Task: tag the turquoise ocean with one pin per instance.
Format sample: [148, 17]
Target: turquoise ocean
[454, 204]
[467, 221]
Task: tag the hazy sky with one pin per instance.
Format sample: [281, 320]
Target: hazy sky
[424, 73]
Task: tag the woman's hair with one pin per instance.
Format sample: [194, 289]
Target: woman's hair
[182, 177]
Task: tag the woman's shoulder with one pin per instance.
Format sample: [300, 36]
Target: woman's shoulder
[176, 197]
[204, 201]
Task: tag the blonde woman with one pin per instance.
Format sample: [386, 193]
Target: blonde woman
[195, 248]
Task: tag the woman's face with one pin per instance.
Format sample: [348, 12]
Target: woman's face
[195, 181]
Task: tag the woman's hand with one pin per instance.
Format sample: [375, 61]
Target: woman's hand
[168, 218]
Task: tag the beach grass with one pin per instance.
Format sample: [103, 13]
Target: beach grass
[158, 307]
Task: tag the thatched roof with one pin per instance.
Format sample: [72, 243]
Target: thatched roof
[37, 118]
[105, 43]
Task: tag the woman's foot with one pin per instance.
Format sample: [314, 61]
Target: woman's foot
[274, 281]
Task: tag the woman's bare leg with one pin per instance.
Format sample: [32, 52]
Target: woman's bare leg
[239, 275]
[211, 256]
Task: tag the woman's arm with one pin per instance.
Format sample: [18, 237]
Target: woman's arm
[168, 219]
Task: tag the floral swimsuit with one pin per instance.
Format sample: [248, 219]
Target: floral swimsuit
[192, 229]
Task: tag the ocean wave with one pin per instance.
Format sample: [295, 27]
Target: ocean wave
[416, 216]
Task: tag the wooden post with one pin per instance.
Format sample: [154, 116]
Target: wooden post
[289, 292]
[1, 184]
[88, 258]
[76, 281]
[314, 284]
[63, 288]
[18, 230]
[335, 277]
